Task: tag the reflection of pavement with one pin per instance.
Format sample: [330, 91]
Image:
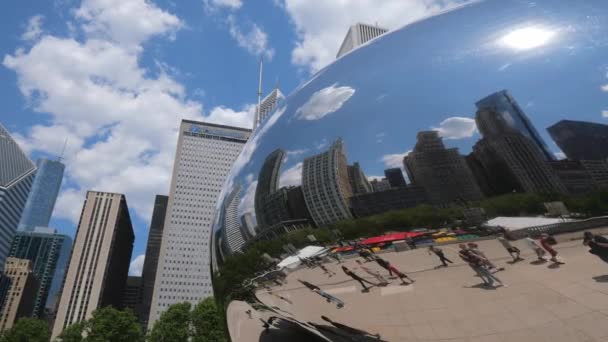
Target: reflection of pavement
[568, 303]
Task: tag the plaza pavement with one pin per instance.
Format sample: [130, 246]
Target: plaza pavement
[542, 302]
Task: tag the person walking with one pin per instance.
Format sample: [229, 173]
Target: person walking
[330, 299]
[540, 253]
[392, 269]
[547, 241]
[439, 253]
[356, 277]
[381, 280]
[479, 265]
[598, 245]
[474, 248]
[514, 252]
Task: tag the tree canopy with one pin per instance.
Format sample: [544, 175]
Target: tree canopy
[27, 329]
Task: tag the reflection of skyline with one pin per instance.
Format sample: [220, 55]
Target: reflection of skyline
[334, 190]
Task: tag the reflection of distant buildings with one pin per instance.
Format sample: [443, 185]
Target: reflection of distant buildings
[380, 184]
[441, 171]
[268, 183]
[248, 223]
[505, 150]
[233, 238]
[374, 203]
[581, 140]
[326, 185]
[512, 117]
[395, 177]
[358, 180]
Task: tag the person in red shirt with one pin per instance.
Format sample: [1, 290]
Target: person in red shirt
[546, 241]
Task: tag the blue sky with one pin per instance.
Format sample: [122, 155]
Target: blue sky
[114, 77]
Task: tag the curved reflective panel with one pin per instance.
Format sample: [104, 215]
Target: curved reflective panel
[438, 116]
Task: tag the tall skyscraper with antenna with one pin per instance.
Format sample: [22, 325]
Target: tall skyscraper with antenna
[267, 104]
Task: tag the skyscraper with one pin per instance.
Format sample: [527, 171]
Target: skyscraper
[155, 235]
[441, 171]
[99, 264]
[357, 35]
[513, 118]
[358, 180]
[267, 105]
[395, 177]
[380, 184]
[326, 186]
[205, 153]
[43, 195]
[505, 146]
[268, 183]
[16, 177]
[49, 253]
[132, 296]
[580, 140]
[248, 223]
[231, 225]
[21, 293]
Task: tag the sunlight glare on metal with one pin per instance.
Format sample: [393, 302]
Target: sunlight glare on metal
[527, 38]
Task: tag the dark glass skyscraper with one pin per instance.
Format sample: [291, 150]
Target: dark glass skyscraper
[268, 183]
[581, 140]
[503, 103]
[155, 235]
[16, 176]
[43, 195]
[49, 253]
[395, 177]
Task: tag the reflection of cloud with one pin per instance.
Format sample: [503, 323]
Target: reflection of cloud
[605, 88]
[456, 128]
[605, 113]
[291, 176]
[372, 178]
[247, 202]
[137, 265]
[559, 155]
[324, 102]
[394, 160]
[321, 144]
[294, 153]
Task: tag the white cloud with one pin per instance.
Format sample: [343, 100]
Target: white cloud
[33, 30]
[372, 178]
[228, 116]
[394, 160]
[324, 102]
[605, 113]
[322, 25]
[217, 4]
[127, 22]
[247, 204]
[254, 40]
[291, 176]
[605, 87]
[456, 128]
[121, 122]
[137, 265]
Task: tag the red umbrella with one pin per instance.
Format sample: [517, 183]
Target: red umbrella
[390, 237]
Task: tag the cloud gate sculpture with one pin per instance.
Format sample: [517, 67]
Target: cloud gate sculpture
[393, 147]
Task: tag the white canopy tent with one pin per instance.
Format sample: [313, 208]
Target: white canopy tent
[306, 252]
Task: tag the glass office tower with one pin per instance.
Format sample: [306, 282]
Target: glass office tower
[42, 197]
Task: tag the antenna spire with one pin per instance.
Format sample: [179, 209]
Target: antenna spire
[60, 158]
[257, 119]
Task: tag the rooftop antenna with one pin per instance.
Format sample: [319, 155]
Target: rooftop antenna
[256, 120]
[60, 158]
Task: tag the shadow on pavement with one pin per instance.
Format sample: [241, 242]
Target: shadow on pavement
[283, 330]
[601, 279]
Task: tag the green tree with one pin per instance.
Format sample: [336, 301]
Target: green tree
[207, 322]
[173, 324]
[27, 330]
[72, 333]
[109, 324]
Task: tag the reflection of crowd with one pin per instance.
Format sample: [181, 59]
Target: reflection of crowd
[369, 277]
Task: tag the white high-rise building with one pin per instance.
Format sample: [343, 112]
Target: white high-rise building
[268, 104]
[359, 34]
[205, 154]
